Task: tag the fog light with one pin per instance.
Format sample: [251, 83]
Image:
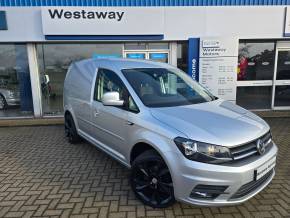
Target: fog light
[207, 191]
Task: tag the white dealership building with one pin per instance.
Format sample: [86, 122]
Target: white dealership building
[238, 49]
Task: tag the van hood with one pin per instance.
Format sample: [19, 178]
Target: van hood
[218, 122]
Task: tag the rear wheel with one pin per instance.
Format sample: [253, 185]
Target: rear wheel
[3, 103]
[151, 180]
[70, 130]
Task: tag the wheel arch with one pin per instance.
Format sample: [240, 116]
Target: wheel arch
[144, 145]
[69, 111]
[140, 148]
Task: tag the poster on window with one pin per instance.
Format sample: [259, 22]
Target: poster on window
[218, 66]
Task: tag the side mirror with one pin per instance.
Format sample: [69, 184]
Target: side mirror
[112, 99]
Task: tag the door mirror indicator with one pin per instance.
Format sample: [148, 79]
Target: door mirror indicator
[112, 99]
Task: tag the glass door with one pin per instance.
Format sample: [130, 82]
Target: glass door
[154, 51]
[281, 90]
[256, 66]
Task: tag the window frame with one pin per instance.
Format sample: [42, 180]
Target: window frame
[280, 46]
[127, 93]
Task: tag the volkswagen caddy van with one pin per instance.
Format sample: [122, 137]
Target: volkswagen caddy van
[180, 141]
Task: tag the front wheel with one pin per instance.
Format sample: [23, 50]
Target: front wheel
[151, 180]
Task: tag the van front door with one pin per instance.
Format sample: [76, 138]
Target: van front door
[109, 123]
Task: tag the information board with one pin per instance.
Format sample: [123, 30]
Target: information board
[218, 66]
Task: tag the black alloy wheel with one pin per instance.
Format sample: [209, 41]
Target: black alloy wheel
[70, 130]
[151, 180]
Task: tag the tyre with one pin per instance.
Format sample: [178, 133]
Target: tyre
[3, 103]
[151, 180]
[70, 130]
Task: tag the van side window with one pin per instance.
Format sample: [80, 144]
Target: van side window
[108, 81]
[132, 105]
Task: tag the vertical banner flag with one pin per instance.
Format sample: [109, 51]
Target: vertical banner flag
[193, 58]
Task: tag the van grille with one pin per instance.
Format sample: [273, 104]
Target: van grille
[249, 149]
[252, 186]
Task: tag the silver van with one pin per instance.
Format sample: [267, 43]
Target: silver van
[180, 141]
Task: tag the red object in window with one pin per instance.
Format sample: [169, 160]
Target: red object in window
[243, 65]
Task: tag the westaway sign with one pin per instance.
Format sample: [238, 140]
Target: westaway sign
[84, 14]
[106, 21]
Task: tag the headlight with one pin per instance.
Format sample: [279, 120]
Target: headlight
[203, 152]
[11, 94]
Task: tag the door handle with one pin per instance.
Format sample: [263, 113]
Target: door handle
[96, 113]
[130, 123]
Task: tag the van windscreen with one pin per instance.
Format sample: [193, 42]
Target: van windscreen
[165, 87]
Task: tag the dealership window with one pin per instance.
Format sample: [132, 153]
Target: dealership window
[146, 46]
[158, 46]
[154, 51]
[254, 97]
[256, 63]
[182, 55]
[15, 86]
[135, 46]
[54, 60]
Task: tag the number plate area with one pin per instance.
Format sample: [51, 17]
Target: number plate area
[265, 168]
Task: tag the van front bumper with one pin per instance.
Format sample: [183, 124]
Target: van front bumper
[237, 179]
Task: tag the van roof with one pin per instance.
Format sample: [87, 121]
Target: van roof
[122, 63]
